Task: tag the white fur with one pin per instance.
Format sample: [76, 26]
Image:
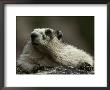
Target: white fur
[60, 52]
[65, 54]
[72, 56]
[68, 55]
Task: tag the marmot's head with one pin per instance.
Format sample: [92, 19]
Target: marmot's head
[42, 36]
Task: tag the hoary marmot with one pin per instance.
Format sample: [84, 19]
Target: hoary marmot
[45, 47]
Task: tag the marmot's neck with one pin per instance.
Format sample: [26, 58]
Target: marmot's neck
[55, 47]
[29, 49]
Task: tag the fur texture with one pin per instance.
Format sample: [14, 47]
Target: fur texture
[67, 54]
[45, 48]
[31, 59]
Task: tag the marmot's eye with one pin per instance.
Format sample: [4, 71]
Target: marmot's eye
[48, 32]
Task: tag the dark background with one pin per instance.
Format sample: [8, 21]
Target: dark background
[77, 30]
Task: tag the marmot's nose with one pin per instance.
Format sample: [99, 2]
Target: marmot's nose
[34, 35]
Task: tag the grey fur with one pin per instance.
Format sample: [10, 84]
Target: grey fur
[31, 58]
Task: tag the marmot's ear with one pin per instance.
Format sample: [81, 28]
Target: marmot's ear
[59, 34]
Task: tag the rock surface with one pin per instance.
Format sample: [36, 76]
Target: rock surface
[57, 70]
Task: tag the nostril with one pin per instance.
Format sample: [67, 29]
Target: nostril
[34, 35]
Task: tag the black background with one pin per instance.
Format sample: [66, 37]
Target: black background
[2, 49]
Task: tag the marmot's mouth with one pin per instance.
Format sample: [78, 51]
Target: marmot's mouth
[35, 43]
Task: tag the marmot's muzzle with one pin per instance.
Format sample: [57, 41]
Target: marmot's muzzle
[33, 36]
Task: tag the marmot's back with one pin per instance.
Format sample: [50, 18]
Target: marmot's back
[70, 55]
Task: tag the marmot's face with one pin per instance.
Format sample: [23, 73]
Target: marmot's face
[42, 36]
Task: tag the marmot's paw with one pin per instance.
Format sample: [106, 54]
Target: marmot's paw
[35, 68]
